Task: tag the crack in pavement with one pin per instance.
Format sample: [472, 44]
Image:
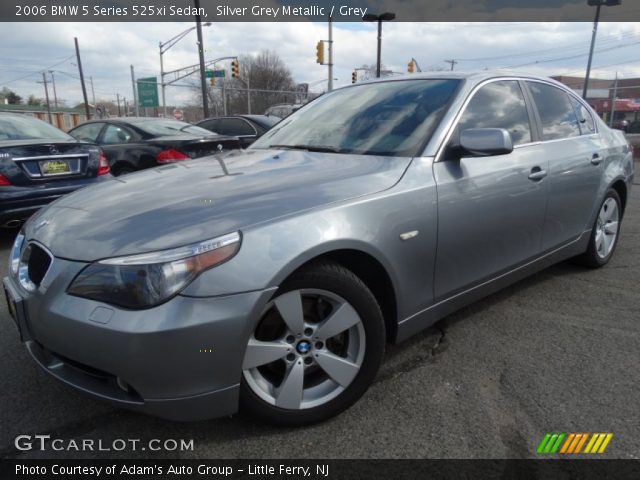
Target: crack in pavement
[440, 344]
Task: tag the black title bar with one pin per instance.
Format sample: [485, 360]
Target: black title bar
[320, 10]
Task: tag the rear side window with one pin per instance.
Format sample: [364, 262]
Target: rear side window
[88, 132]
[211, 125]
[499, 105]
[234, 126]
[115, 134]
[557, 116]
[587, 127]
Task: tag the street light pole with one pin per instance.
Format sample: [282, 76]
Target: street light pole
[165, 46]
[203, 78]
[598, 4]
[385, 17]
[162, 84]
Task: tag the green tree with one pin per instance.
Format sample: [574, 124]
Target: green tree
[35, 101]
[9, 96]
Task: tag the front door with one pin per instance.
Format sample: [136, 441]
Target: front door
[491, 209]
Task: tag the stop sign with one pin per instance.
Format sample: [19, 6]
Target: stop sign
[178, 114]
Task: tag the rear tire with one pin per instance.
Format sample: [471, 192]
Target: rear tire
[318, 368]
[605, 232]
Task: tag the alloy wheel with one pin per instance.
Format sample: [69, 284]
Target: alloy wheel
[307, 348]
[607, 228]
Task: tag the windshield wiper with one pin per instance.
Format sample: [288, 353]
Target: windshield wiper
[310, 148]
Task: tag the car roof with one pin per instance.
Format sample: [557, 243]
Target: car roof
[474, 76]
[262, 120]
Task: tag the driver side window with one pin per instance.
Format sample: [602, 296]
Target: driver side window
[499, 105]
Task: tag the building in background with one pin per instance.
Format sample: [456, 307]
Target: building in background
[63, 118]
[600, 97]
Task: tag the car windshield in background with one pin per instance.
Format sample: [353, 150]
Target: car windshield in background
[394, 118]
[169, 127]
[26, 128]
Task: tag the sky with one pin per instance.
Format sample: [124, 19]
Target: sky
[108, 50]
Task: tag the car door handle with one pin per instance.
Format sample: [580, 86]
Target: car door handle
[537, 174]
[596, 159]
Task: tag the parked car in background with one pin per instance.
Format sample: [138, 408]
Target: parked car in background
[247, 128]
[362, 219]
[282, 110]
[136, 143]
[39, 163]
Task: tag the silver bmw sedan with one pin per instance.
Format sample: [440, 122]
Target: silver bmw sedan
[269, 280]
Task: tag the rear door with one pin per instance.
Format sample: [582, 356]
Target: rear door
[490, 209]
[574, 151]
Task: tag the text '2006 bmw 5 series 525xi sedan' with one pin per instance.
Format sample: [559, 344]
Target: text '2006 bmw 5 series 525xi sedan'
[270, 279]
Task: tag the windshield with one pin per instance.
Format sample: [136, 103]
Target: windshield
[28, 128]
[394, 118]
[170, 127]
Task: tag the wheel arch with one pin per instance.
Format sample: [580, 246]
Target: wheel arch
[620, 187]
[367, 264]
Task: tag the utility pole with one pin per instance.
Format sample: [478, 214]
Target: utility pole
[46, 96]
[118, 100]
[93, 96]
[84, 88]
[224, 100]
[452, 62]
[203, 79]
[248, 96]
[330, 85]
[613, 100]
[135, 94]
[593, 43]
[55, 94]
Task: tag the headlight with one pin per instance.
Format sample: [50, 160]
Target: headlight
[148, 279]
[16, 250]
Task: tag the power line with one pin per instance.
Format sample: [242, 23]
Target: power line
[572, 56]
[569, 46]
[40, 70]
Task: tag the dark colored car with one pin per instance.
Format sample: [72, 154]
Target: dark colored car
[132, 143]
[248, 128]
[39, 163]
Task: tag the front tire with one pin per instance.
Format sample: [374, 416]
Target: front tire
[605, 232]
[315, 350]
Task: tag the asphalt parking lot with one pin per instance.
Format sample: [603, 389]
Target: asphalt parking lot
[559, 351]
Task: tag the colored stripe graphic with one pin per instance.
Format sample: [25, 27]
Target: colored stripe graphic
[573, 443]
[598, 442]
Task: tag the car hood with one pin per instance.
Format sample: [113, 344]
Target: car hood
[186, 202]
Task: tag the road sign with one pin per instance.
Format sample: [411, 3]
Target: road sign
[148, 92]
[178, 114]
[214, 73]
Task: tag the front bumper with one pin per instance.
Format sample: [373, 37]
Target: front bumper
[181, 360]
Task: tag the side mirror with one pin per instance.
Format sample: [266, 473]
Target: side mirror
[484, 142]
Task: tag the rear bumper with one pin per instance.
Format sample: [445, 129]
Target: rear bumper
[19, 203]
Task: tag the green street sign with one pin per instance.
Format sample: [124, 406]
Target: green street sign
[214, 73]
[148, 92]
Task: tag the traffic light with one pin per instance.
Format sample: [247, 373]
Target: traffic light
[354, 76]
[320, 52]
[411, 66]
[212, 81]
[235, 68]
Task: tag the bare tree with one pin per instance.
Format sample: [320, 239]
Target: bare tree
[264, 71]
